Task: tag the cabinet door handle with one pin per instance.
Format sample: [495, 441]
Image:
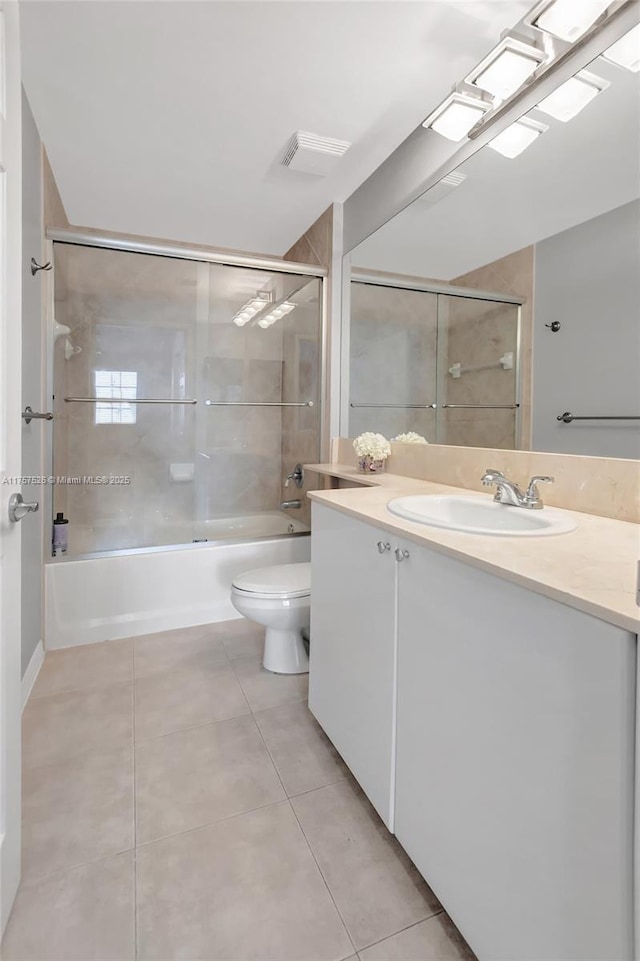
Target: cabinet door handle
[401, 555]
[383, 547]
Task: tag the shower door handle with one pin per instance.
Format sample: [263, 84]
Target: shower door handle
[19, 508]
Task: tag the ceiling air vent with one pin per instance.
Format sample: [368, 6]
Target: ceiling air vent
[444, 187]
[311, 154]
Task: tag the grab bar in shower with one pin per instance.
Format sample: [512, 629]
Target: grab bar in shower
[127, 400]
[255, 403]
[403, 406]
[568, 417]
[481, 406]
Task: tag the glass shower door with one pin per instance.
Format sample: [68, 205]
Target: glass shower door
[393, 353]
[257, 375]
[477, 366]
[124, 466]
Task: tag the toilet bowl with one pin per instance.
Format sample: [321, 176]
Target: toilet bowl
[280, 598]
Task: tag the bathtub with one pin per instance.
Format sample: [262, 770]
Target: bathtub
[113, 594]
[89, 539]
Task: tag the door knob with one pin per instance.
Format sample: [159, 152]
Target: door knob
[19, 508]
[383, 547]
[401, 555]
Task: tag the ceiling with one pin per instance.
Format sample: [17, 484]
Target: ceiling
[572, 173]
[168, 119]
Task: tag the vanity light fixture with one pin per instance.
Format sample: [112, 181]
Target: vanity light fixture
[280, 311]
[567, 19]
[249, 311]
[626, 51]
[517, 137]
[455, 117]
[506, 68]
[572, 96]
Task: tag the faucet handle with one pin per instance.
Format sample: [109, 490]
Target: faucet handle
[491, 475]
[532, 494]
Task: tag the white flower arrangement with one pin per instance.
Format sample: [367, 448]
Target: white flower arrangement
[410, 438]
[372, 445]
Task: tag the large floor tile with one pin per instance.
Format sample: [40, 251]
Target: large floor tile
[86, 667]
[77, 810]
[84, 914]
[264, 689]
[195, 777]
[245, 889]
[188, 648]
[433, 940]
[303, 754]
[185, 698]
[377, 889]
[241, 638]
[75, 723]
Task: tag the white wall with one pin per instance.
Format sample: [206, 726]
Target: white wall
[588, 278]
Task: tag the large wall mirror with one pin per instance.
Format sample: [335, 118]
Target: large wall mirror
[508, 295]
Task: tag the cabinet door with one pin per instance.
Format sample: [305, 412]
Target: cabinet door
[514, 763]
[353, 649]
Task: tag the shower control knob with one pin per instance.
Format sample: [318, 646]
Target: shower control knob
[383, 547]
[401, 555]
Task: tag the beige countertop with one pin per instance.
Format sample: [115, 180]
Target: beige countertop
[593, 568]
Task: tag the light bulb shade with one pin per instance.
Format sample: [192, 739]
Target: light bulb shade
[455, 117]
[626, 51]
[572, 96]
[569, 19]
[517, 137]
[506, 68]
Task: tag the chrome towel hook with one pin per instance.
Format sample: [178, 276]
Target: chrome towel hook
[35, 266]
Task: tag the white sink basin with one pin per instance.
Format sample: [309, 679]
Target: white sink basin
[478, 514]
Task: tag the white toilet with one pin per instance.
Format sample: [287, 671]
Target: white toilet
[280, 598]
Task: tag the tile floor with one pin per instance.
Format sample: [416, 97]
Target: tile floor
[181, 803]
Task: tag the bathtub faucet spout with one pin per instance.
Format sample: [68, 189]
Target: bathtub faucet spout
[288, 505]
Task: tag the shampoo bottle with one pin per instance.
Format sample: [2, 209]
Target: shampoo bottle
[60, 534]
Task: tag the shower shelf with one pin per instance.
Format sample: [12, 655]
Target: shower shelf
[256, 403]
[504, 363]
[127, 400]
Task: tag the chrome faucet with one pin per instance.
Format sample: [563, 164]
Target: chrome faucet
[288, 505]
[508, 492]
[296, 475]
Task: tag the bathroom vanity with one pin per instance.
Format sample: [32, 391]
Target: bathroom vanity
[489, 718]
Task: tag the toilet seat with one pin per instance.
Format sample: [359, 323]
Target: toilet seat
[282, 581]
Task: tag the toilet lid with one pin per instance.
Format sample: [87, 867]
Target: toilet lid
[294, 580]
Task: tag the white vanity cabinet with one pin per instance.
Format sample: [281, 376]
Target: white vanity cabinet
[515, 760]
[353, 653]
[493, 730]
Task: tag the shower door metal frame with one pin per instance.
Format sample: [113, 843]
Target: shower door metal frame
[176, 251]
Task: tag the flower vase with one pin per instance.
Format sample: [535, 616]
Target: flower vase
[370, 465]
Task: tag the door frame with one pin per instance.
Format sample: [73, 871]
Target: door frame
[10, 457]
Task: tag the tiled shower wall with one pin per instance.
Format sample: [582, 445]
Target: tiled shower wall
[300, 427]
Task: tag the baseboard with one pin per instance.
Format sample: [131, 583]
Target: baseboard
[31, 673]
